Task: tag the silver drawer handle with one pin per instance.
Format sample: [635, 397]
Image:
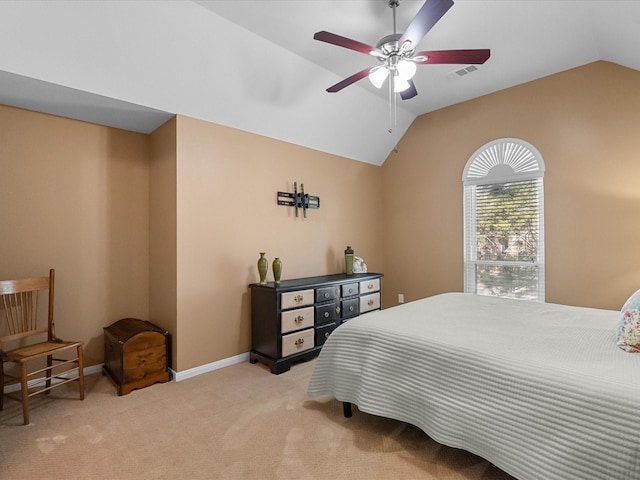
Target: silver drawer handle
[351, 308]
[326, 314]
[326, 294]
[350, 290]
[299, 342]
[326, 334]
[298, 298]
[370, 302]
[299, 319]
[370, 286]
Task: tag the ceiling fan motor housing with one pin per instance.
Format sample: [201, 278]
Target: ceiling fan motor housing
[389, 45]
[391, 52]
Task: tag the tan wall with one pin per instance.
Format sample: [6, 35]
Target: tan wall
[74, 196]
[162, 232]
[226, 195]
[168, 226]
[585, 123]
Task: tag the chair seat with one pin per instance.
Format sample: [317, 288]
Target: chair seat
[41, 349]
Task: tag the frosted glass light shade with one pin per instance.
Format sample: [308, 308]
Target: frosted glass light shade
[400, 84]
[378, 75]
[406, 69]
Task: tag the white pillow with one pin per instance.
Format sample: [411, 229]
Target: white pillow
[628, 329]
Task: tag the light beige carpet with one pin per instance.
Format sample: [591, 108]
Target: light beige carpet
[240, 422]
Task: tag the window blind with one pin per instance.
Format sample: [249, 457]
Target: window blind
[504, 234]
[505, 255]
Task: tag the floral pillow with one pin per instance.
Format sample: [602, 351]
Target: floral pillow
[628, 329]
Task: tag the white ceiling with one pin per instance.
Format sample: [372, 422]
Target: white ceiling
[253, 64]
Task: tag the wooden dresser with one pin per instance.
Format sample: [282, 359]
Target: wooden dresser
[136, 354]
[290, 321]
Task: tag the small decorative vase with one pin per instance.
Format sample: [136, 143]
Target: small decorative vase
[263, 266]
[348, 260]
[277, 269]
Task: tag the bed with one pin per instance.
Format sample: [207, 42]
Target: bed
[539, 390]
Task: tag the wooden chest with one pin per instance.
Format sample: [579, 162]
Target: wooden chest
[136, 354]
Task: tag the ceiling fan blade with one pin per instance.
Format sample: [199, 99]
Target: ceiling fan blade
[348, 81]
[425, 19]
[475, 56]
[344, 42]
[409, 92]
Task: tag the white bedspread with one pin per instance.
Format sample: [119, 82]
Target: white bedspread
[540, 390]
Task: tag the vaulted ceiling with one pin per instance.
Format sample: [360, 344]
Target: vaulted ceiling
[253, 64]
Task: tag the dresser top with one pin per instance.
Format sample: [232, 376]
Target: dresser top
[319, 281]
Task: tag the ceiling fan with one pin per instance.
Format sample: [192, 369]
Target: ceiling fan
[396, 52]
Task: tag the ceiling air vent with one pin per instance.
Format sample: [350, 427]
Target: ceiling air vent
[461, 72]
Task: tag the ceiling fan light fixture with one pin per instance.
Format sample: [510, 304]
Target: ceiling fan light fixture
[377, 75]
[400, 84]
[396, 52]
[406, 69]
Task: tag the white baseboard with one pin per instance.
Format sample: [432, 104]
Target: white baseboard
[177, 376]
[209, 367]
[92, 369]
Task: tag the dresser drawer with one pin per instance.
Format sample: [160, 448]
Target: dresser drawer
[350, 308]
[369, 302]
[301, 298]
[297, 342]
[296, 319]
[327, 293]
[369, 286]
[326, 313]
[322, 333]
[350, 289]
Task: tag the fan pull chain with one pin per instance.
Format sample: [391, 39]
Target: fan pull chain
[391, 122]
[395, 109]
[393, 113]
[393, 106]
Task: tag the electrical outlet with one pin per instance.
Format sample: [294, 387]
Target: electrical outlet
[401, 298]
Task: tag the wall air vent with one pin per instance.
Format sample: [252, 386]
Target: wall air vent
[461, 72]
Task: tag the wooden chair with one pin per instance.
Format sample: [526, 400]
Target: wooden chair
[20, 325]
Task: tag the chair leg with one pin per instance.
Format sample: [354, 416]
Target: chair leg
[25, 393]
[80, 372]
[48, 382]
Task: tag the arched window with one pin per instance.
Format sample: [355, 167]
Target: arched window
[504, 220]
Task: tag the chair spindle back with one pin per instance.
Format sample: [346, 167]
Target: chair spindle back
[19, 308]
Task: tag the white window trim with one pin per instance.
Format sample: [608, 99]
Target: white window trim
[500, 161]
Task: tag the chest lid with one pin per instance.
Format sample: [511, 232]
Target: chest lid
[127, 328]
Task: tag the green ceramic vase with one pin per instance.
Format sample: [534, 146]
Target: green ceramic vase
[277, 269]
[263, 266]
